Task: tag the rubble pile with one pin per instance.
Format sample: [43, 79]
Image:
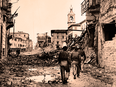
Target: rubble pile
[15, 70]
[1, 67]
[16, 75]
[44, 60]
[98, 73]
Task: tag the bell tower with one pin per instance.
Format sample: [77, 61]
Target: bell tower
[71, 17]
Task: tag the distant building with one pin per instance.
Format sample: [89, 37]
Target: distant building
[43, 40]
[83, 24]
[58, 37]
[74, 29]
[20, 41]
[30, 48]
[71, 17]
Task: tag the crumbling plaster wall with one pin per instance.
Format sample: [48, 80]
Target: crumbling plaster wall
[109, 55]
[106, 51]
[89, 50]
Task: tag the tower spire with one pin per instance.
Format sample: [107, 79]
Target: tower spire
[71, 8]
[71, 17]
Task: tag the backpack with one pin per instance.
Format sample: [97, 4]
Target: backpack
[64, 57]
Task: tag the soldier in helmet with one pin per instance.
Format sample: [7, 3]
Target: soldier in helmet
[65, 62]
[82, 56]
[76, 62]
[78, 57]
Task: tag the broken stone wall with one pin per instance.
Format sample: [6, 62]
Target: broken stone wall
[87, 47]
[109, 55]
[106, 47]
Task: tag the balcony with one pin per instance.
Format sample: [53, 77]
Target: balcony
[4, 5]
[94, 6]
[9, 23]
[9, 7]
[90, 5]
[6, 8]
[84, 6]
[94, 3]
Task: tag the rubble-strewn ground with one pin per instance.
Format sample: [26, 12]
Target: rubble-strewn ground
[30, 71]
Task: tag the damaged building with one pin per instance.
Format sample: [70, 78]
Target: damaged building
[89, 37]
[107, 35]
[100, 35]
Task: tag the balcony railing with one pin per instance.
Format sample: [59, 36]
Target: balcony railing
[84, 6]
[4, 4]
[91, 5]
[94, 6]
[9, 23]
[94, 3]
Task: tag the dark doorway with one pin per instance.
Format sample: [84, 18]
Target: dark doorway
[109, 31]
[91, 37]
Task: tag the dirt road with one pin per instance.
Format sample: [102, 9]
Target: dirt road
[85, 80]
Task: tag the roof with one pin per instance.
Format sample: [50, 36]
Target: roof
[40, 35]
[82, 21]
[78, 24]
[19, 32]
[58, 31]
[20, 38]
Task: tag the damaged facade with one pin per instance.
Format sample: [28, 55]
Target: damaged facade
[20, 40]
[89, 37]
[100, 35]
[107, 35]
[6, 22]
[43, 40]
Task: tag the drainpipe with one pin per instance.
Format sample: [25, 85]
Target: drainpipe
[0, 31]
[14, 28]
[0, 40]
[6, 43]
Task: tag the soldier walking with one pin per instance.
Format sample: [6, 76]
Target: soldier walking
[65, 63]
[82, 56]
[76, 62]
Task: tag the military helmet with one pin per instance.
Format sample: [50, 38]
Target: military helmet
[77, 47]
[64, 48]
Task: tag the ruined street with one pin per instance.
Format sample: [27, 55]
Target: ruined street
[41, 39]
[30, 71]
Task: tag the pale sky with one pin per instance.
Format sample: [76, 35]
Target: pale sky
[40, 16]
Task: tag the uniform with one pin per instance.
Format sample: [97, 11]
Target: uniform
[65, 62]
[76, 61]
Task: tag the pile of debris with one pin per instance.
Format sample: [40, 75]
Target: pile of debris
[98, 73]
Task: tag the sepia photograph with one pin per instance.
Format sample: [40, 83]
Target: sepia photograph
[57, 43]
